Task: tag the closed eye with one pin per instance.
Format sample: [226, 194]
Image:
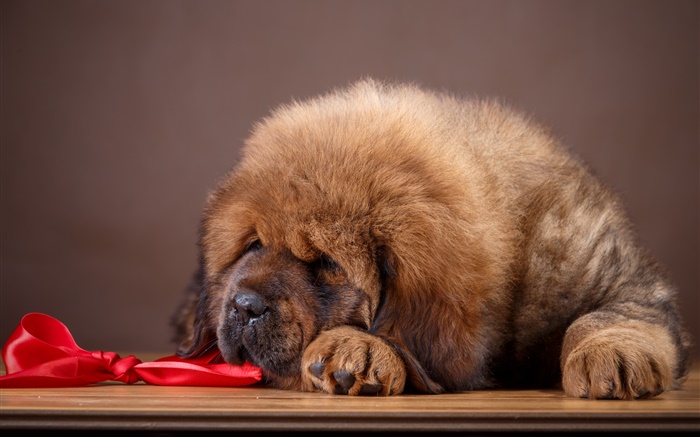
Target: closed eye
[325, 262]
[324, 271]
[252, 246]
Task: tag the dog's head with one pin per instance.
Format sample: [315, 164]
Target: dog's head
[276, 272]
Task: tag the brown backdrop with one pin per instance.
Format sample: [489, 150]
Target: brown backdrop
[118, 116]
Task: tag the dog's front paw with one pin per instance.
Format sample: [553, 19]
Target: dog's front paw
[346, 361]
[616, 364]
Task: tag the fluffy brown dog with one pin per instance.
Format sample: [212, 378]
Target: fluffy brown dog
[383, 238]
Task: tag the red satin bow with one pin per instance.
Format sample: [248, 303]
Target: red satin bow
[41, 352]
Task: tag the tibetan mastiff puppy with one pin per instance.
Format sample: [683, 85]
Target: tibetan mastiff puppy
[383, 238]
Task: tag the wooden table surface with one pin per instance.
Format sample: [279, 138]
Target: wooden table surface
[141, 407]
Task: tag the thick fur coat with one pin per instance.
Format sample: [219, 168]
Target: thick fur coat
[384, 238]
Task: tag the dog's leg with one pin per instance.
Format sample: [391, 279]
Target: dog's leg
[345, 360]
[609, 355]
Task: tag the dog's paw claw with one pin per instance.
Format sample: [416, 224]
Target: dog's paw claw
[370, 389]
[344, 379]
[316, 369]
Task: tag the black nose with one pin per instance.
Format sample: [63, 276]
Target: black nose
[249, 306]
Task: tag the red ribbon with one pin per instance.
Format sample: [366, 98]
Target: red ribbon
[41, 352]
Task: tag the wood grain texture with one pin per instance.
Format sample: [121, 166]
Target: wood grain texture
[116, 406]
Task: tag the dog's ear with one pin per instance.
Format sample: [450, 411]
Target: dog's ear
[386, 264]
[417, 377]
[193, 332]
